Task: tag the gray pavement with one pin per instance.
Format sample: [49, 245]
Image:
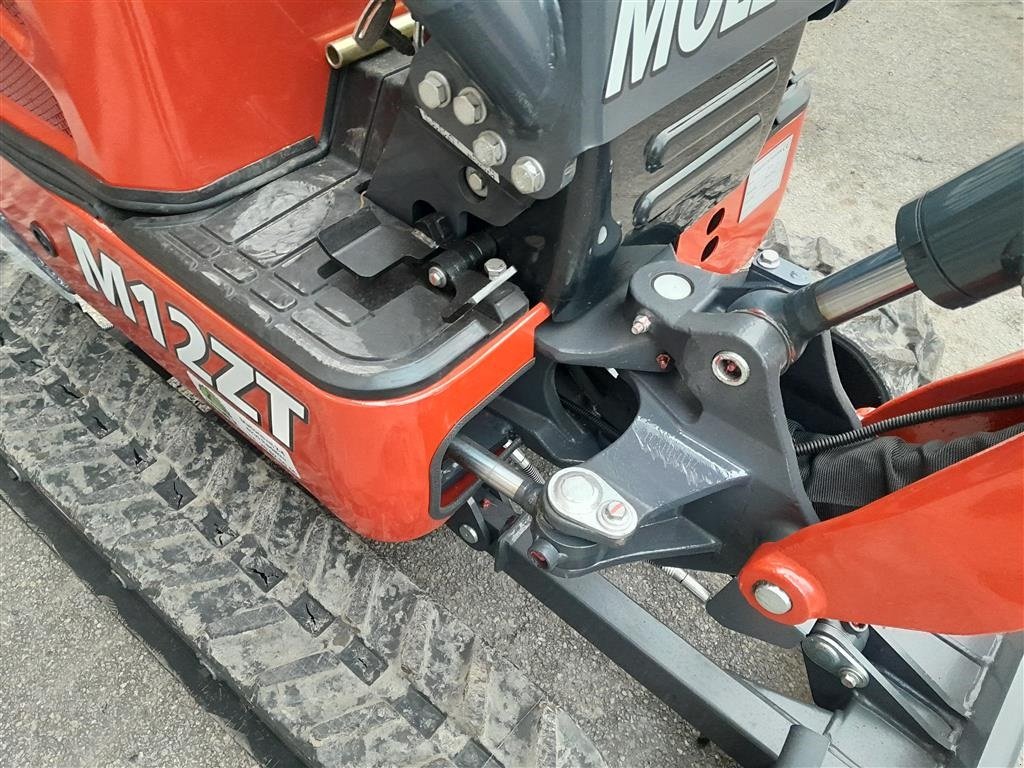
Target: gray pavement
[906, 95]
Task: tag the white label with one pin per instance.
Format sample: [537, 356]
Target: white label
[271, 447]
[765, 178]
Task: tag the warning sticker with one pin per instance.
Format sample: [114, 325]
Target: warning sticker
[263, 441]
[765, 178]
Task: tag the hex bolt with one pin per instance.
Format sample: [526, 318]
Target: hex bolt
[641, 324]
[475, 182]
[489, 149]
[468, 533]
[433, 90]
[528, 175]
[730, 368]
[615, 510]
[768, 258]
[664, 361]
[853, 678]
[772, 598]
[437, 277]
[494, 268]
[469, 106]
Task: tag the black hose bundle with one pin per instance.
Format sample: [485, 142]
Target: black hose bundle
[824, 442]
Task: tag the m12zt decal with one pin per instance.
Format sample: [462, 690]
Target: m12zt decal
[648, 30]
[225, 386]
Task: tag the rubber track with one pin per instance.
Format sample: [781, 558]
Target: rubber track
[338, 652]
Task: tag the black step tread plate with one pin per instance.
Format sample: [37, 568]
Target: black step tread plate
[321, 278]
[336, 650]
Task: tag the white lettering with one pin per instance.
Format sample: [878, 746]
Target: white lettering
[635, 36]
[236, 378]
[145, 296]
[193, 352]
[106, 277]
[283, 407]
[692, 34]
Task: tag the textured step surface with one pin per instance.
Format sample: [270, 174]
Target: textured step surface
[334, 648]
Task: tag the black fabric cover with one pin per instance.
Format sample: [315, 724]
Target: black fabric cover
[839, 480]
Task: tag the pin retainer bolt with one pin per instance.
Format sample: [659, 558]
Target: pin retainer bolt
[436, 277]
[730, 368]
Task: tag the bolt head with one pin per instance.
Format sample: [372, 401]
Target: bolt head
[615, 510]
[772, 598]
[437, 277]
[769, 259]
[664, 361]
[730, 368]
[528, 175]
[641, 324]
[475, 182]
[468, 533]
[852, 678]
[489, 149]
[494, 268]
[469, 107]
[433, 90]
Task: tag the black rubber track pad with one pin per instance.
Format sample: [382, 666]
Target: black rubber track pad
[337, 651]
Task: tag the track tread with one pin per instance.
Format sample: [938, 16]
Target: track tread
[364, 670]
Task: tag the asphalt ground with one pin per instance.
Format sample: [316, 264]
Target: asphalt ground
[906, 94]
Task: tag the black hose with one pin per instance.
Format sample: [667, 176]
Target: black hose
[591, 418]
[823, 442]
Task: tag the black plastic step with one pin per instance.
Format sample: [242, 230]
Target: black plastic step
[317, 274]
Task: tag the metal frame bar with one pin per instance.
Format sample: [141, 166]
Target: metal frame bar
[754, 725]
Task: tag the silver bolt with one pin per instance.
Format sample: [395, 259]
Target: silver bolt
[672, 287]
[769, 259]
[615, 510]
[475, 182]
[641, 324]
[772, 598]
[576, 490]
[853, 678]
[469, 107]
[437, 277]
[434, 90]
[730, 368]
[528, 175]
[494, 268]
[489, 148]
[468, 533]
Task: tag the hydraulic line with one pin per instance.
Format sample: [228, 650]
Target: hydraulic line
[962, 408]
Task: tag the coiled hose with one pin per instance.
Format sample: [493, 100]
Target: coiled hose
[824, 442]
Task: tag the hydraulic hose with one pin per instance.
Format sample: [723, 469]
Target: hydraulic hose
[962, 408]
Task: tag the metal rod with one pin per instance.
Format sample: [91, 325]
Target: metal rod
[689, 583]
[489, 468]
[863, 286]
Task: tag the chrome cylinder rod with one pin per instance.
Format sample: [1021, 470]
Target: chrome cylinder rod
[863, 286]
[489, 468]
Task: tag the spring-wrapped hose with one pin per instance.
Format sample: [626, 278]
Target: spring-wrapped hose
[962, 408]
